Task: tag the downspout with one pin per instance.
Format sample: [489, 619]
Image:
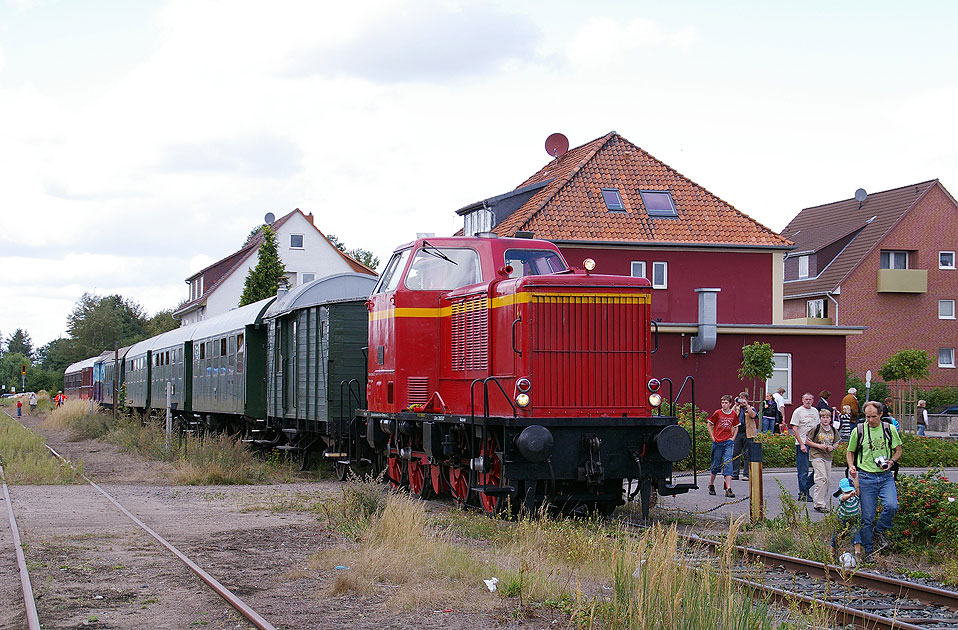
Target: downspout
[829, 296]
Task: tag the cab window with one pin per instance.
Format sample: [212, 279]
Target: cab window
[533, 262]
[443, 268]
[393, 271]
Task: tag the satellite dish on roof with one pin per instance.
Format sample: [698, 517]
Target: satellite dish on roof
[860, 195]
[269, 218]
[557, 145]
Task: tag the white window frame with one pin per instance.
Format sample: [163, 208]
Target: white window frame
[949, 310]
[664, 266]
[949, 363]
[952, 265]
[803, 267]
[774, 383]
[817, 306]
[301, 236]
[640, 266]
[306, 273]
[891, 258]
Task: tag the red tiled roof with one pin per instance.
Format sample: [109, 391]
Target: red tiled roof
[819, 226]
[571, 206]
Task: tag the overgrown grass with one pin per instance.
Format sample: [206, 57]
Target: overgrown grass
[27, 461]
[198, 459]
[588, 573]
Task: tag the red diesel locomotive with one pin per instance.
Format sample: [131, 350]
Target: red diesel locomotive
[501, 377]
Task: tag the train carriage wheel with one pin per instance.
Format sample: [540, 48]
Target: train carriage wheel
[490, 503]
[459, 484]
[342, 471]
[420, 478]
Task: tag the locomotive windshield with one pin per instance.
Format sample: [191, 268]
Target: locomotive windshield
[533, 262]
[443, 268]
[392, 273]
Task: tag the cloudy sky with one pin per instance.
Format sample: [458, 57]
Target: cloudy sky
[140, 141]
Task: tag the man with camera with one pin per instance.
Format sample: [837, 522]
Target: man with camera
[874, 449]
[747, 430]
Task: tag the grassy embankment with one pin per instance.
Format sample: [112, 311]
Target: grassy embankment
[591, 573]
[199, 460]
[27, 461]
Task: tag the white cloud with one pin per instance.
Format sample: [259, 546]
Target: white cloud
[607, 41]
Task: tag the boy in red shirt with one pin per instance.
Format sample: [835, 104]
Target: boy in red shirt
[723, 426]
[19, 407]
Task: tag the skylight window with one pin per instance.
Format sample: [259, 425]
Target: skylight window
[613, 200]
[658, 203]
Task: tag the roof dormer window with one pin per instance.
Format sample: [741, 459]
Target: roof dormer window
[658, 203]
[613, 200]
[803, 266]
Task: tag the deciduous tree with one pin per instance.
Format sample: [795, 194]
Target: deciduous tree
[758, 365]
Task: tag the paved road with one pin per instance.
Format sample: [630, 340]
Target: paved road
[718, 507]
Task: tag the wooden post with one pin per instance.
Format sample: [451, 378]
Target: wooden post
[755, 485]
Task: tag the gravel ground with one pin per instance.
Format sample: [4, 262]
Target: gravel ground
[92, 567]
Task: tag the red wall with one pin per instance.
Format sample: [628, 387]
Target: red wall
[744, 277]
[818, 362]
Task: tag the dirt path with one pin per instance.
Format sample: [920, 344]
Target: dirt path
[92, 568]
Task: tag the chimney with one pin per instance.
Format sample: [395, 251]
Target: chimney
[281, 288]
[706, 338]
[310, 217]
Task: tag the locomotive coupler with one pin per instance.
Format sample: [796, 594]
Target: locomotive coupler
[593, 472]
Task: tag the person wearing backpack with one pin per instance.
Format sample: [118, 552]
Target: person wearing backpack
[874, 449]
[821, 443]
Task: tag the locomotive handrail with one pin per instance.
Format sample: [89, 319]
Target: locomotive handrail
[350, 424]
[514, 348]
[655, 324]
[485, 405]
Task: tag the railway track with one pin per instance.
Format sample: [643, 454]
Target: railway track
[30, 607]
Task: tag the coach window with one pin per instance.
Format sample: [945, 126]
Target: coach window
[239, 353]
[533, 262]
[392, 273]
[223, 347]
[442, 269]
[202, 351]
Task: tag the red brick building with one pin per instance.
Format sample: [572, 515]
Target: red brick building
[887, 262]
[611, 201]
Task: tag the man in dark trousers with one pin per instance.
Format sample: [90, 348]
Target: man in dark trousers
[747, 429]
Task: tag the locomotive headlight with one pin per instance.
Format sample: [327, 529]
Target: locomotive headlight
[522, 400]
[654, 385]
[523, 384]
[655, 400]
[589, 264]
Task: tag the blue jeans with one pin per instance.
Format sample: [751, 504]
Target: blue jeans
[921, 429]
[722, 458]
[875, 486]
[768, 424]
[805, 480]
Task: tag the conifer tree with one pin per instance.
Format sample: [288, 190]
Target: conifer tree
[264, 278]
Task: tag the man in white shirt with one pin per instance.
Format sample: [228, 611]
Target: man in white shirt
[780, 402]
[804, 420]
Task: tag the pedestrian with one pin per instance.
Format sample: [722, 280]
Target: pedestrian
[851, 399]
[845, 423]
[849, 514]
[823, 403]
[722, 426]
[33, 402]
[873, 452]
[888, 413]
[921, 416]
[19, 407]
[804, 419]
[821, 441]
[779, 397]
[747, 430]
[769, 414]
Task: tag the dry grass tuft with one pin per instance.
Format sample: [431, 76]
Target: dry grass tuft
[27, 461]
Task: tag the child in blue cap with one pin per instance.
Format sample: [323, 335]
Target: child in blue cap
[849, 513]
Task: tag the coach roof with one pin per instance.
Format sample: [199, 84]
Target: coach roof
[341, 286]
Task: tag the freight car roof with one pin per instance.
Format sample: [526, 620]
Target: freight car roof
[341, 286]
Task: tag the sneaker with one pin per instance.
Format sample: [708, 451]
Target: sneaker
[729, 493]
[712, 490]
[735, 477]
[819, 508]
[881, 541]
[744, 477]
[809, 499]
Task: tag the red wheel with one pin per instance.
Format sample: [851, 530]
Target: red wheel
[459, 484]
[418, 474]
[436, 472]
[492, 478]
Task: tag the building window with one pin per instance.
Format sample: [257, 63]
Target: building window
[946, 357]
[660, 275]
[658, 203]
[946, 309]
[781, 375]
[638, 269]
[815, 308]
[481, 220]
[308, 277]
[613, 200]
[946, 260]
[894, 260]
[296, 241]
[803, 266]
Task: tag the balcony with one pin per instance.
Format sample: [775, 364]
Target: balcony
[903, 281]
[808, 321]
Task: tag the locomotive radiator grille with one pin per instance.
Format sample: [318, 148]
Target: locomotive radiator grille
[470, 334]
[418, 390]
[587, 350]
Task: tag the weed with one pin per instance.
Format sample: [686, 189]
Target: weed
[26, 459]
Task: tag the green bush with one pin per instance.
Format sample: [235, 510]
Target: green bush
[927, 512]
[938, 397]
